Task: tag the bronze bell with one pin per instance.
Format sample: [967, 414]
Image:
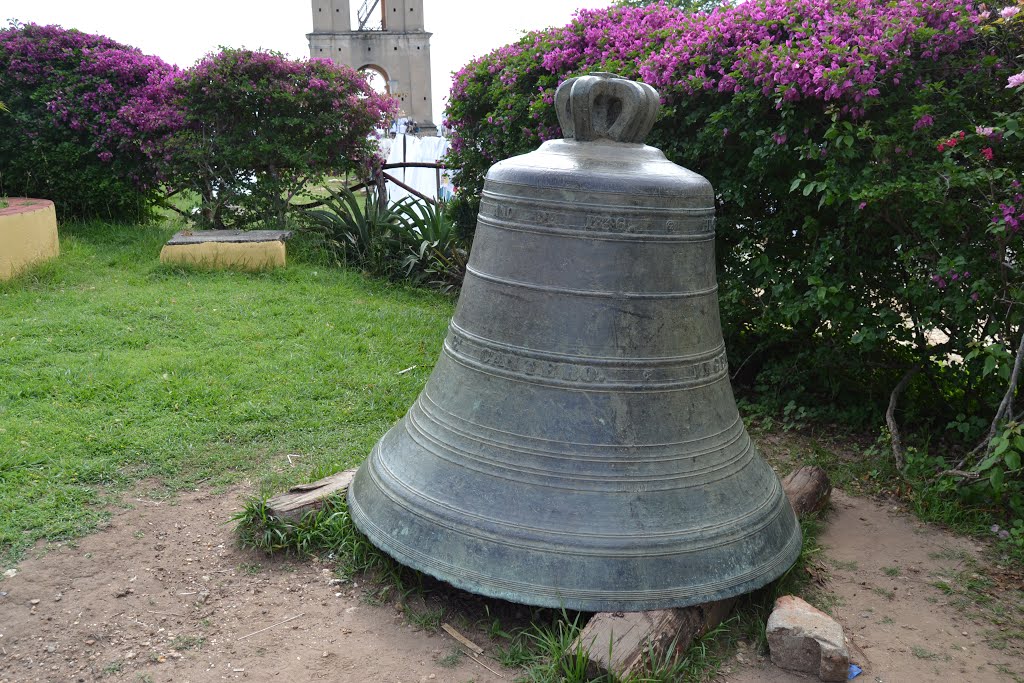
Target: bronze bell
[578, 444]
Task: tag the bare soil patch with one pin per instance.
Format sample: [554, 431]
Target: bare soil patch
[164, 594]
[915, 602]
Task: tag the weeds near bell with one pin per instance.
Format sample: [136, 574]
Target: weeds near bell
[328, 532]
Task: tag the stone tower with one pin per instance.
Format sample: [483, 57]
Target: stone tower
[388, 38]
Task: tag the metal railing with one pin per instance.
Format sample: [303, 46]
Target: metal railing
[379, 181]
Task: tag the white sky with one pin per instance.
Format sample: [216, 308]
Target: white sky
[183, 31]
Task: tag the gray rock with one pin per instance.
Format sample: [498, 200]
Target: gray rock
[803, 638]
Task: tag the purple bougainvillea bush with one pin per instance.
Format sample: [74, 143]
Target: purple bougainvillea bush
[107, 131]
[867, 160]
[85, 114]
[258, 128]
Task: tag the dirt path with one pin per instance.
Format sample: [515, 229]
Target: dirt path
[908, 596]
[163, 594]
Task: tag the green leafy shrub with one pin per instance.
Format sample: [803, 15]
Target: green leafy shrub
[1002, 478]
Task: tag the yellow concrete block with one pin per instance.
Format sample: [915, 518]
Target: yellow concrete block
[28, 234]
[253, 250]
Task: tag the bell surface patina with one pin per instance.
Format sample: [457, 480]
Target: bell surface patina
[578, 444]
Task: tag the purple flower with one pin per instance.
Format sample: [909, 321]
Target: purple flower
[925, 121]
[1008, 12]
[1015, 80]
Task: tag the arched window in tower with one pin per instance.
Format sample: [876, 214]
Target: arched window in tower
[376, 77]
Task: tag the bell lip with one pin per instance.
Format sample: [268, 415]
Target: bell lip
[770, 570]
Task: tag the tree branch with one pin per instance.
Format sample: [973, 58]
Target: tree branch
[890, 415]
[163, 203]
[970, 476]
[307, 205]
[757, 349]
[1006, 406]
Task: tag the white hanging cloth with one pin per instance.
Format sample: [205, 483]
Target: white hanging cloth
[408, 149]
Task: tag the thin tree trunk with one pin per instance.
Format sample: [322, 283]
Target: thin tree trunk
[890, 415]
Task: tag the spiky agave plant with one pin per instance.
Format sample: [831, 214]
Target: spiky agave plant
[357, 230]
[436, 252]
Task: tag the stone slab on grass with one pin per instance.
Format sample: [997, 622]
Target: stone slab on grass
[243, 249]
[230, 236]
[803, 638]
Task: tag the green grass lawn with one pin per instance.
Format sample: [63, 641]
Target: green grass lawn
[114, 368]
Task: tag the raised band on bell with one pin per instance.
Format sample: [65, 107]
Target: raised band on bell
[578, 444]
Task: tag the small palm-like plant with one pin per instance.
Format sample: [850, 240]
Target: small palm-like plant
[359, 230]
[410, 239]
[436, 252]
